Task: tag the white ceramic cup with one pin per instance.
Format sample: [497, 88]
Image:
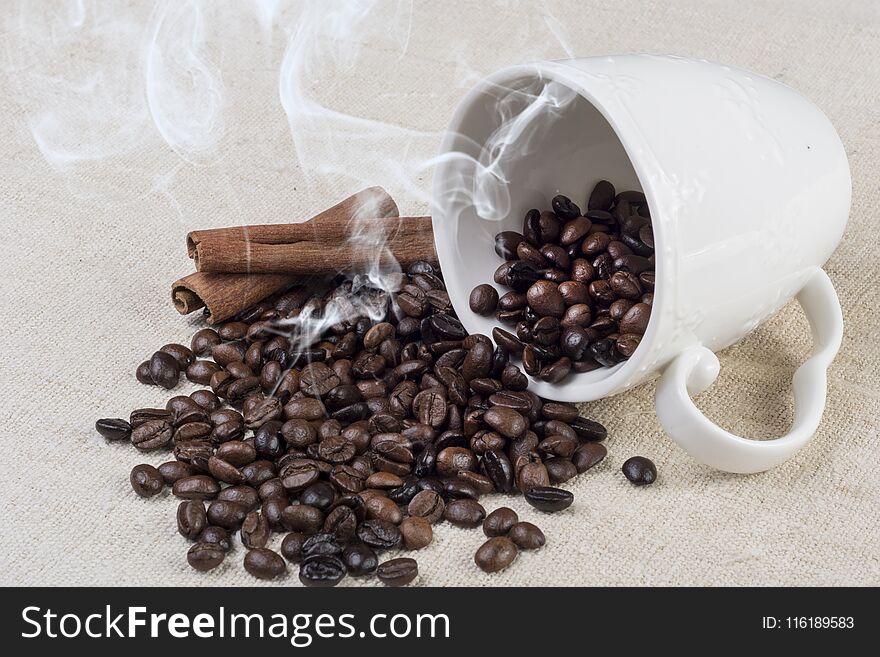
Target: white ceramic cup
[749, 190]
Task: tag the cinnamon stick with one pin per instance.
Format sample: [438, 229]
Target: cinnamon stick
[406, 240]
[225, 295]
[333, 224]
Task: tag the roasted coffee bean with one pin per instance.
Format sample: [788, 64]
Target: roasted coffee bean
[181, 354]
[507, 340]
[465, 513]
[244, 495]
[636, 319]
[152, 434]
[640, 470]
[451, 460]
[291, 546]
[254, 530]
[483, 299]
[588, 455]
[146, 480]
[382, 508]
[602, 196]
[574, 230]
[397, 572]
[505, 421]
[226, 514]
[164, 370]
[532, 475]
[263, 563]
[320, 495]
[417, 532]
[548, 498]
[206, 399]
[495, 554]
[205, 556]
[203, 341]
[499, 522]
[201, 371]
[428, 505]
[499, 469]
[506, 243]
[321, 543]
[545, 298]
[191, 519]
[321, 570]
[171, 471]
[556, 371]
[560, 470]
[359, 559]
[379, 534]
[558, 445]
[113, 428]
[526, 536]
[217, 536]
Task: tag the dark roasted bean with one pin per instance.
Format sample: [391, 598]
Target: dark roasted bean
[640, 470]
[548, 498]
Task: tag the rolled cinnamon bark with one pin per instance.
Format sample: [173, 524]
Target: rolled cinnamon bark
[333, 224]
[225, 295]
[401, 240]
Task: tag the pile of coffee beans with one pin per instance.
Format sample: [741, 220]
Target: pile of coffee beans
[582, 285]
[355, 444]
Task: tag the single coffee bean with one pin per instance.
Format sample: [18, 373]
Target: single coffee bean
[640, 470]
[495, 554]
[203, 341]
[560, 470]
[171, 471]
[191, 519]
[398, 572]
[588, 455]
[321, 570]
[226, 514]
[146, 480]
[452, 460]
[181, 354]
[302, 518]
[589, 430]
[549, 499]
[113, 428]
[359, 559]
[416, 532]
[142, 373]
[263, 563]
[506, 243]
[499, 522]
[291, 546]
[379, 534]
[483, 299]
[428, 505]
[564, 208]
[464, 513]
[205, 556]
[216, 535]
[152, 434]
[602, 196]
[527, 536]
[636, 319]
[505, 421]
[544, 297]
[164, 370]
[255, 530]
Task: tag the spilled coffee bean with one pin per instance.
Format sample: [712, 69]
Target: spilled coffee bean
[384, 426]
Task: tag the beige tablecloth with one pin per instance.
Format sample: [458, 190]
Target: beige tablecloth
[122, 130]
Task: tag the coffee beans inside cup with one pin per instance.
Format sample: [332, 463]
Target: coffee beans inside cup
[580, 284]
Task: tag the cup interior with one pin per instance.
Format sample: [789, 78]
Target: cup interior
[517, 140]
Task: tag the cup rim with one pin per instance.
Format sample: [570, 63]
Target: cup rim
[625, 374]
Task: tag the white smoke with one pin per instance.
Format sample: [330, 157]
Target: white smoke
[156, 78]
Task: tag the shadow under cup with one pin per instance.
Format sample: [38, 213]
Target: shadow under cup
[516, 141]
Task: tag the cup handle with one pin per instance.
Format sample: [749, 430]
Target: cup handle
[695, 369]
